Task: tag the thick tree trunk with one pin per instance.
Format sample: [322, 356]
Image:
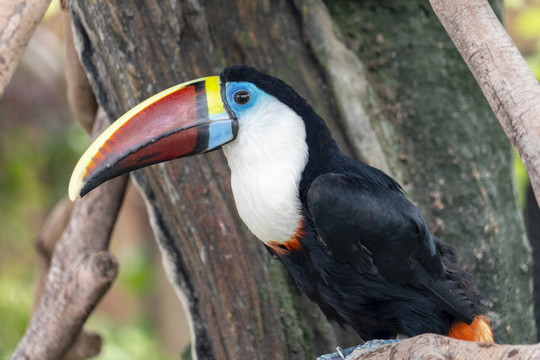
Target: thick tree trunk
[241, 302]
[425, 111]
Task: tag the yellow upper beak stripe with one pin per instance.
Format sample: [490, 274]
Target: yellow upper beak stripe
[213, 96]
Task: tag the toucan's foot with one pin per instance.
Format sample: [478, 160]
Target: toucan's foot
[340, 354]
[355, 351]
[369, 346]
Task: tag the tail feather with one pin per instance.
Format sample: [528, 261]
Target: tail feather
[451, 297]
[479, 330]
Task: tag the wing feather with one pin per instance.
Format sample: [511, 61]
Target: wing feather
[377, 230]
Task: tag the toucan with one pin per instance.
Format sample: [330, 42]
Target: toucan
[345, 230]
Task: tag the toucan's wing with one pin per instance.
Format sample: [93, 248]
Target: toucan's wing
[376, 229]
[357, 220]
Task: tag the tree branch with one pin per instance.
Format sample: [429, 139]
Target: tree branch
[81, 99]
[46, 242]
[81, 271]
[430, 346]
[503, 75]
[18, 20]
[87, 343]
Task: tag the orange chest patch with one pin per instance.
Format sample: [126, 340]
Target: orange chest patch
[293, 244]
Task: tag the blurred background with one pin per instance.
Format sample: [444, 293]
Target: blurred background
[40, 142]
[140, 317]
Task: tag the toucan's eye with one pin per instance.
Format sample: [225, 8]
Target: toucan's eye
[241, 97]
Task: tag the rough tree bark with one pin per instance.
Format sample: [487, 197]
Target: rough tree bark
[397, 81]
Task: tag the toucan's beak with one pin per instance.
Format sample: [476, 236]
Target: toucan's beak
[186, 119]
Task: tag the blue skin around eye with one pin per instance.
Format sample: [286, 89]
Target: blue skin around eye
[257, 95]
[220, 132]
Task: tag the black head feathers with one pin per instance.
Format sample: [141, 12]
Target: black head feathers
[269, 84]
[317, 132]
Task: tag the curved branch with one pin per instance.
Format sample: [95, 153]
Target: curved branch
[503, 75]
[18, 20]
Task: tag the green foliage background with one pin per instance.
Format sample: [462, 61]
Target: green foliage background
[39, 144]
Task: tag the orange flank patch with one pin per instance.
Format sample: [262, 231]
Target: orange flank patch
[479, 330]
[293, 244]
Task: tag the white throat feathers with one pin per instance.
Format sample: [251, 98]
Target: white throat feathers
[266, 161]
